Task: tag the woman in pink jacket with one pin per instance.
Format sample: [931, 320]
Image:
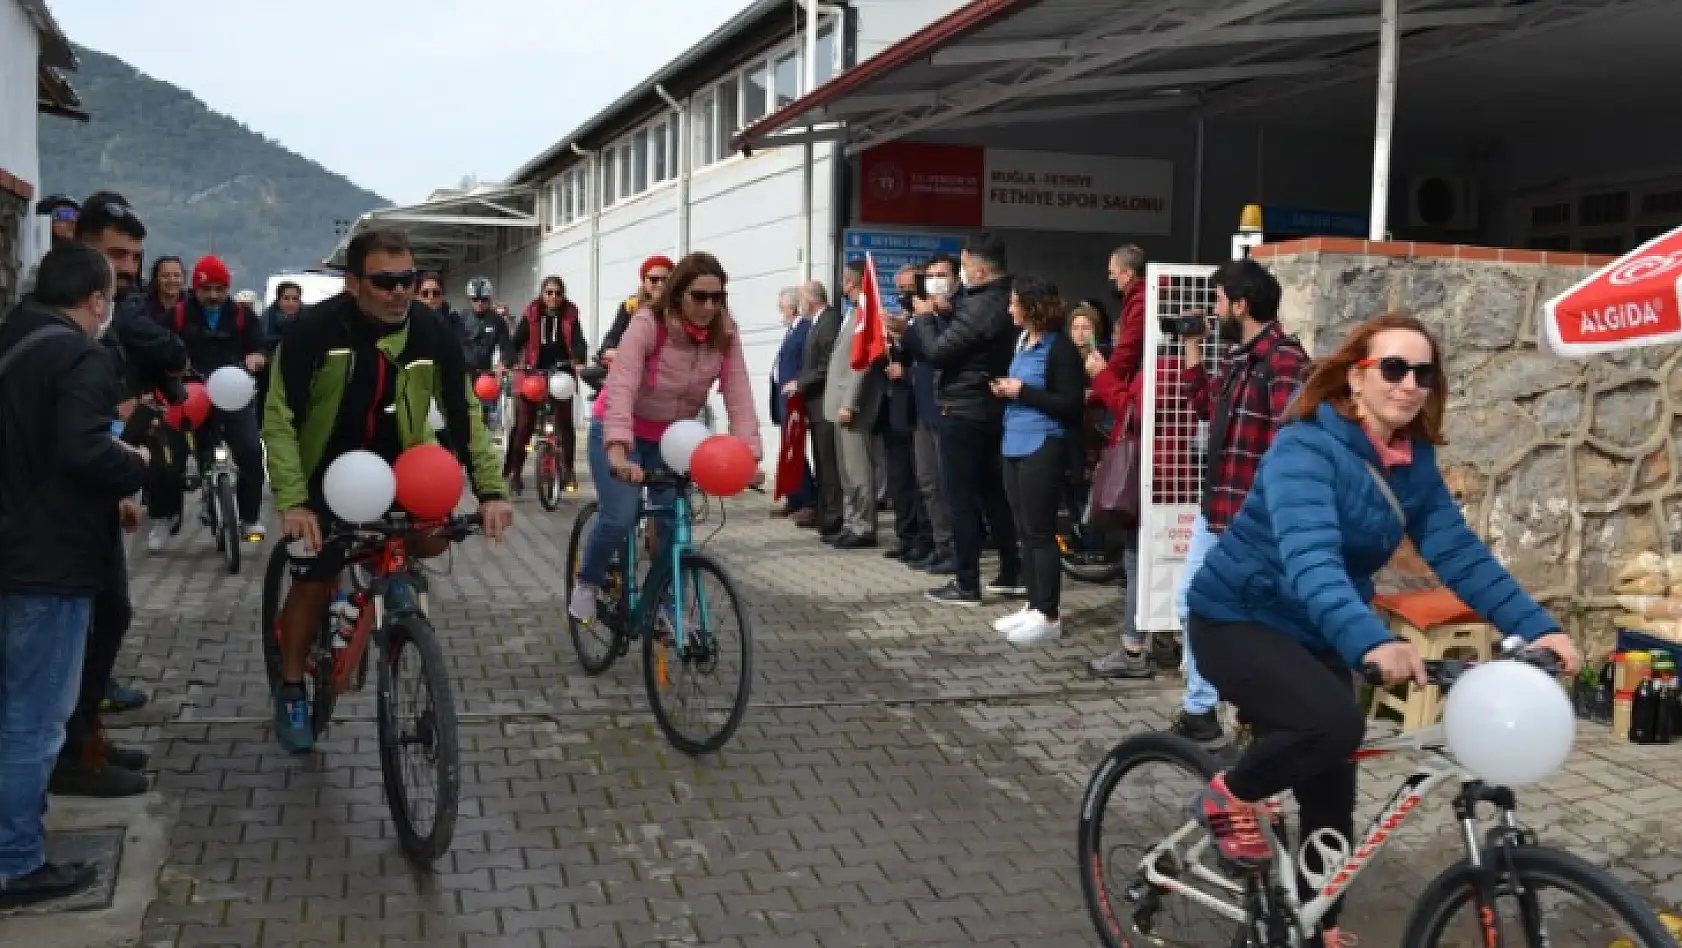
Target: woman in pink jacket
[668, 359]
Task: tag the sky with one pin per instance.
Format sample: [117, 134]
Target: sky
[405, 97]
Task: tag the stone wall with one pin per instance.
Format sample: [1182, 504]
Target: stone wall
[1566, 467]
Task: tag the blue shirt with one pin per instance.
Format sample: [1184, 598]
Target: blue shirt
[1027, 428]
[212, 317]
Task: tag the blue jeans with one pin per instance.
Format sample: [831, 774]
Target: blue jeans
[42, 639]
[1201, 696]
[617, 503]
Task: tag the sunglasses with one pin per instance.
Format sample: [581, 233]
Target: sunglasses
[1394, 369]
[429, 294]
[656, 278]
[290, 299]
[702, 297]
[551, 292]
[388, 280]
[65, 214]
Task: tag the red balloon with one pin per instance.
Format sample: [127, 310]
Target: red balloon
[193, 411]
[723, 466]
[429, 481]
[486, 388]
[534, 388]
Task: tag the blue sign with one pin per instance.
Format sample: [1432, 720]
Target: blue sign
[1308, 222]
[896, 249]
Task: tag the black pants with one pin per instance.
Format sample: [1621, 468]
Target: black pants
[1306, 720]
[169, 466]
[525, 421]
[828, 472]
[970, 463]
[1036, 486]
[110, 621]
[899, 457]
[238, 430]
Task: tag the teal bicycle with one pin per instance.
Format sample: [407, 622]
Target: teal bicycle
[684, 607]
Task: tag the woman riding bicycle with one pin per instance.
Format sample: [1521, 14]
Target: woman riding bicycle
[666, 364]
[549, 338]
[1279, 612]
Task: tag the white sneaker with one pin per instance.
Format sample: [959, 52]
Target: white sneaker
[157, 536]
[582, 605]
[1037, 631]
[1006, 623]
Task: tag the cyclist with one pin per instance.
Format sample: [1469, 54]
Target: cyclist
[548, 339]
[670, 355]
[486, 335]
[359, 371]
[219, 332]
[651, 276]
[1279, 610]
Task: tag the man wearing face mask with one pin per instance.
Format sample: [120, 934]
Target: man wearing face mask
[62, 476]
[1245, 407]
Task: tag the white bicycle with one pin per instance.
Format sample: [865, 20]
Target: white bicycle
[1175, 889]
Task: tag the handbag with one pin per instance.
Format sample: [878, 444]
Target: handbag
[1115, 481]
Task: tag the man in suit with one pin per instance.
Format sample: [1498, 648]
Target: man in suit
[785, 382]
[814, 382]
[897, 426]
[853, 402]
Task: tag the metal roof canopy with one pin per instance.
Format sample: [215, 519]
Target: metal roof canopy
[445, 227]
[1006, 62]
[54, 96]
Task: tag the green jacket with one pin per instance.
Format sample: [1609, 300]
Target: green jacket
[308, 376]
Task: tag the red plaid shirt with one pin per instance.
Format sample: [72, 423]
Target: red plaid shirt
[1255, 412]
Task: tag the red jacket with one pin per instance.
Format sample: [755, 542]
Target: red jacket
[1123, 381]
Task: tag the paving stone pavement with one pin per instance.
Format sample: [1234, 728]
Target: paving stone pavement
[903, 778]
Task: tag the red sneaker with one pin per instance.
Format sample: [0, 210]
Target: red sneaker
[1232, 823]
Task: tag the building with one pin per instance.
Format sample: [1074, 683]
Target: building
[33, 51]
[655, 172]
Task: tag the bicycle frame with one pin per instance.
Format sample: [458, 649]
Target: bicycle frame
[389, 559]
[1341, 862]
[675, 529]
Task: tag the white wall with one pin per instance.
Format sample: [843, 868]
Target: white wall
[19, 58]
[882, 23]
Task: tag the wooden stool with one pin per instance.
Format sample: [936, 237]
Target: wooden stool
[1439, 625]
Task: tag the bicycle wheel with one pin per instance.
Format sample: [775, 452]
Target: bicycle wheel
[711, 608]
[1446, 913]
[548, 476]
[1140, 817]
[228, 537]
[1088, 566]
[597, 643]
[420, 760]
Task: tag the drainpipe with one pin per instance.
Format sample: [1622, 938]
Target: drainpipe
[592, 187]
[683, 146]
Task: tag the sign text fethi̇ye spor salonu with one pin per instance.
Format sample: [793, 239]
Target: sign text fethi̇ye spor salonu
[1634, 302]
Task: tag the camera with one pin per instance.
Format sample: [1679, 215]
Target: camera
[1184, 324]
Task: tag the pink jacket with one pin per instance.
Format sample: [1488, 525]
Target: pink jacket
[641, 400]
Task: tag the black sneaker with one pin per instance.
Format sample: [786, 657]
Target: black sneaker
[1122, 664]
[107, 781]
[941, 564]
[1006, 586]
[955, 594]
[1204, 728]
[51, 881]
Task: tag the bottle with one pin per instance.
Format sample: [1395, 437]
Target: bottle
[1644, 711]
[1622, 712]
[1664, 731]
[342, 615]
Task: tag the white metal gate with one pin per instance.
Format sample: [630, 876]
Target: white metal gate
[1172, 448]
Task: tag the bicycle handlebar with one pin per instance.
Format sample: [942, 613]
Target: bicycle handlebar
[674, 480]
[1445, 672]
[458, 527]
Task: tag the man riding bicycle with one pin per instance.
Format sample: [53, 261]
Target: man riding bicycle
[360, 371]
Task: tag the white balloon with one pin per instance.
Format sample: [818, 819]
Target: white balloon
[1508, 723]
[680, 441]
[561, 386]
[434, 417]
[359, 486]
[230, 388]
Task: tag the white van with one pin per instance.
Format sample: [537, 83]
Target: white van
[316, 285]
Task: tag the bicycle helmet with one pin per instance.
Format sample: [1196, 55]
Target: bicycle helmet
[479, 288]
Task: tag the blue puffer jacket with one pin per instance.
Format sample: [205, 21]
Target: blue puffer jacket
[1301, 554]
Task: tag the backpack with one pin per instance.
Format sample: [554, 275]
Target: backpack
[181, 317]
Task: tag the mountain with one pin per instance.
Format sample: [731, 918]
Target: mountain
[200, 180]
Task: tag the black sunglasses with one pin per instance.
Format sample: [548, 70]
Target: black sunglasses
[1393, 369]
[431, 293]
[389, 280]
[551, 292]
[702, 297]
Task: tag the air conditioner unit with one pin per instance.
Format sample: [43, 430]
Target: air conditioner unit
[1443, 202]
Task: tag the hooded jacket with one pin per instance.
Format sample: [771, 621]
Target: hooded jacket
[654, 383]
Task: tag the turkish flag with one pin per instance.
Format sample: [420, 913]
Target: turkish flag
[1633, 303]
[791, 460]
[870, 335]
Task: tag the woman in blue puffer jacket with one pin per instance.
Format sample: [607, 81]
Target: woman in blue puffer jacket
[1279, 611]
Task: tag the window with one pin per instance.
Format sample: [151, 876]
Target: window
[726, 119]
[581, 193]
[703, 116]
[786, 76]
[755, 94]
[661, 152]
[622, 164]
[639, 162]
[1608, 208]
[610, 176]
[826, 53]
